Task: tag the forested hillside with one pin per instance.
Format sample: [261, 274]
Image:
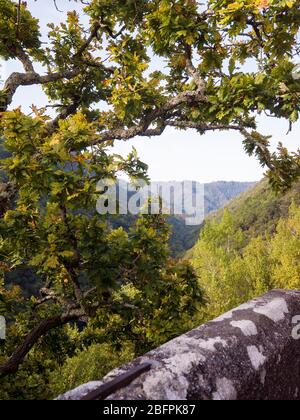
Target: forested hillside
[249, 248]
[258, 210]
[216, 195]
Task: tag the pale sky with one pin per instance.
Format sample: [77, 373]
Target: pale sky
[175, 155]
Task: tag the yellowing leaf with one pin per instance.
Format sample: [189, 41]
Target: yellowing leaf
[262, 4]
[54, 141]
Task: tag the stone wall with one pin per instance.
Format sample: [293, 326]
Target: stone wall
[252, 352]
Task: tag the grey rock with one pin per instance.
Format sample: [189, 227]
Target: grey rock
[250, 353]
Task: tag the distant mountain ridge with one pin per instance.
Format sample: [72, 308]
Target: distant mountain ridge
[216, 196]
[183, 237]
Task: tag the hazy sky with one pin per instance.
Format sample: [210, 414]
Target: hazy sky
[176, 155]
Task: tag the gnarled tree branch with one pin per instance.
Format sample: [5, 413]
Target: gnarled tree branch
[16, 80]
[13, 363]
[143, 128]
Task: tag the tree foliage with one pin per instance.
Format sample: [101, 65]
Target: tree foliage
[206, 86]
[105, 85]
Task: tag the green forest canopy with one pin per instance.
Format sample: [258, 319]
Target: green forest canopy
[235, 268]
